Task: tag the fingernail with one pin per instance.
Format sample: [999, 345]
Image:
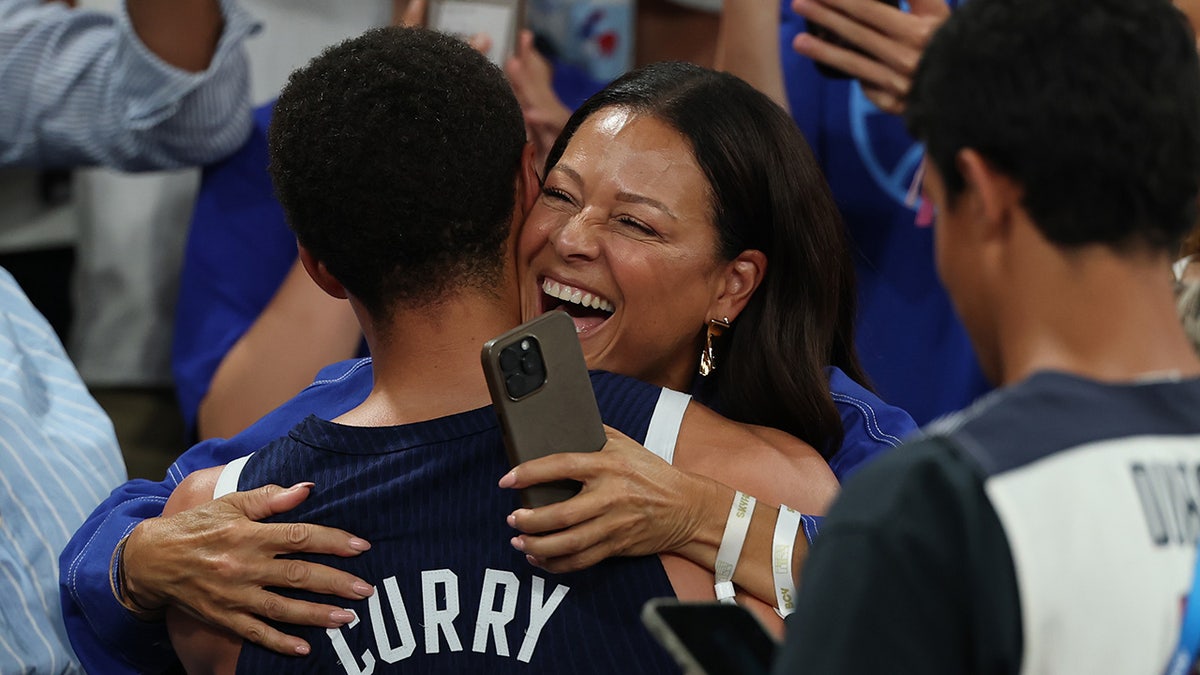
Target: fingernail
[341, 616]
[511, 520]
[303, 650]
[508, 480]
[359, 544]
[517, 543]
[532, 561]
[302, 486]
[363, 589]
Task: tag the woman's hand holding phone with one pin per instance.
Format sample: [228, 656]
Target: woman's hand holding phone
[882, 44]
[632, 503]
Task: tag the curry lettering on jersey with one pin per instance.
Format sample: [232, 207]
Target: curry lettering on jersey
[441, 606]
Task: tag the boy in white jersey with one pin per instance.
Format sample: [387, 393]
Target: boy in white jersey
[1051, 527]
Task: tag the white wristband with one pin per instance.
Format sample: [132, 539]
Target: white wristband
[731, 545]
[787, 525]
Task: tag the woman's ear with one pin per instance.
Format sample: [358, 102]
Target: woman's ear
[739, 279]
[320, 274]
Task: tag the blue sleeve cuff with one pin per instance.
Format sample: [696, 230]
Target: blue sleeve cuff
[812, 527]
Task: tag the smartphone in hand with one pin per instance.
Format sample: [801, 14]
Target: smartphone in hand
[542, 393]
[711, 638]
[502, 20]
[819, 31]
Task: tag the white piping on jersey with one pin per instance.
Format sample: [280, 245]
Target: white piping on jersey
[227, 482]
[661, 437]
[663, 432]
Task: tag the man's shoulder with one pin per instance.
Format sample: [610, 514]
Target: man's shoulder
[1051, 412]
[336, 389]
[919, 482]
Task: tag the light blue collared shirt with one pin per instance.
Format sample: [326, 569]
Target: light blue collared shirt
[79, 88]
[58, 459]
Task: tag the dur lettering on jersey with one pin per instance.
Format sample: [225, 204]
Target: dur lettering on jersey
[1170, 496]
[438, 619]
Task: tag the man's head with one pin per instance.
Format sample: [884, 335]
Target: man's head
[395, 156]
[1078, 119]
[1091, 106]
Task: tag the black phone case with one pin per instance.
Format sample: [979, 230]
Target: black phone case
[559, 416]
[710, 638]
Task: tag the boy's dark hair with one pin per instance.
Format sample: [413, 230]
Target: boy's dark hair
[394, 155]
[1093, 106]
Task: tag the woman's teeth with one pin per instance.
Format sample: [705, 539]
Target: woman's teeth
[575, 296]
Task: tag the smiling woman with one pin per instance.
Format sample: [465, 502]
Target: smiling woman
[678, 200]
[598, 236]
[684, 225]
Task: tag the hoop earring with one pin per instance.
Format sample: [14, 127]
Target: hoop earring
[708, 355]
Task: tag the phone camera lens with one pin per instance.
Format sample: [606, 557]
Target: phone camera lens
[523, 368]
[531, 364]
[510, 361]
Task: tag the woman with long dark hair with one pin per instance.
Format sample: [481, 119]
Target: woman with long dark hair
[684, 224]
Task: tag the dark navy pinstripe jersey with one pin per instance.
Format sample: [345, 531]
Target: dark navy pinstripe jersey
[452, 595]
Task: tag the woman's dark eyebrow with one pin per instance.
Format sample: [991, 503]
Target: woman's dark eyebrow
[628, 197]
[632, 198]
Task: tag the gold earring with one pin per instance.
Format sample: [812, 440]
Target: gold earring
[708, 356]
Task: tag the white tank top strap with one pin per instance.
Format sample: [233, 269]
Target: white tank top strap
[227, 482]
[665, 423]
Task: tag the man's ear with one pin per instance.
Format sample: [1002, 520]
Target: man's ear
[320, 274]
[529, 186]
[739, 279]
[995, 196]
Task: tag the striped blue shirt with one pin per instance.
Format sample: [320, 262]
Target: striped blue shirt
[58, 459]
[79, 88]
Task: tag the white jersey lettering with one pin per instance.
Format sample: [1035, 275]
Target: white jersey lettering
[539, 614]
[498, 599]
[408, 641]
[440, 619]
[345, 656]
[492, 620]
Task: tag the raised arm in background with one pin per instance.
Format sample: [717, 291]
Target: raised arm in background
[746, 47]
[890, 42]
[274, 359]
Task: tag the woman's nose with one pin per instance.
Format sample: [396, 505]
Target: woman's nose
[577, 239]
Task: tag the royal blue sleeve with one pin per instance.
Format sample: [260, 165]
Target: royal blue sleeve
[105, 636]
[238, 252]
[871, 426]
